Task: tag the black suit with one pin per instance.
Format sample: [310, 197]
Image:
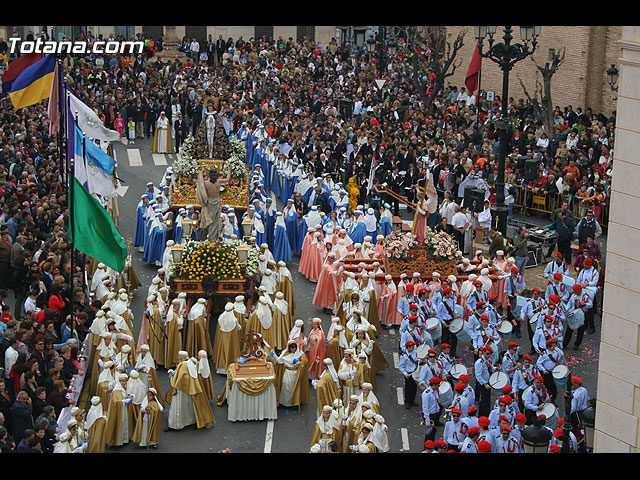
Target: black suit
[221, 46]
[195, 112]
[180, 129]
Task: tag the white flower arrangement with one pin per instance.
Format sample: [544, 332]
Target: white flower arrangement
[252, 259]
[186, 166]
[239, 148]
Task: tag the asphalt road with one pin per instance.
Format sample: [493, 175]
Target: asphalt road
[292, 431]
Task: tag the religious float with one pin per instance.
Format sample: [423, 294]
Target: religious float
[213, 269]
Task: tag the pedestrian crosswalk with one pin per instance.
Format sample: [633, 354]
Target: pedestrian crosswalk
[134, 157]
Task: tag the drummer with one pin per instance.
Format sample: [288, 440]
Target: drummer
[501, 412]
[558, 265]
[469, 391]
[544, 334]
[551, 358]
[446, 360]
[430, 406]
[483, 369]
[460, 400]
[483, 335]
[446, 313]
[427, 309]
[580, 301]
[413, 332]
[413, 312]
[474, 317]
[523, 378]
[476, 295]
[579, 403]
[514, 286]
[510, 361]
[408, 364]
[469, 443]
[535, 398]
[492, 310]
[557, 287]
[431, 368]
[455, 430]
[557, 315]
[531, 308]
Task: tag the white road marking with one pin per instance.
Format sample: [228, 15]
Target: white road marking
[396, 360]
[159, 158]
[122, 190]
[400, 393]
[405, 439]
[269, 437]
[135, 159]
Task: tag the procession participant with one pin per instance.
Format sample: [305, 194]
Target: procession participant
[514, 287]
[505, 442]
[315, 349]
[226, 343]
[557, 287]
[120, 417]
[431, 368]
[446, 314]
[325, 430]
[145, 364]
[173, 327]
[204, 374]
[557, 265]
[455, 430]
[152, 331]
[545, 334]
[293, 382]
[523, 378]
[535, 398]
[589, 277]
[261, 321]
[96, 427]
[285, 285]
[469, 444]
[188, 402]
[460, 401]
[326, 292]
[582, 301]
[149, 427]
[547, 362]
[413, 332]
[240, 311]
[327, 387]
[532, 306]
[337, 345]
[280, 321]
[485, 335]
[501, 412]
[430, 406]
[579, 404]
[347, 375]
[136, 388]
[510, 362]
[297, 334]
[483, 368]
[380, 434]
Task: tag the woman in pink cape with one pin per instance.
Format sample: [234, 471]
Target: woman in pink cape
[303, 266]
[326, 294]
[316, 257]
[315, 350]
[388, 302]
[502, 265]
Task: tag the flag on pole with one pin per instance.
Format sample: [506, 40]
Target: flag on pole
[88, 121]
[16, 67]
[93, 232]
[473, 73]
[33, 84]
[53, 109]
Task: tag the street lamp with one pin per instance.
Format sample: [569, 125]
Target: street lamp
[566, 428]
[612, 77]
[506, 55]
[371, 43]
[589, 422]
[536, 438]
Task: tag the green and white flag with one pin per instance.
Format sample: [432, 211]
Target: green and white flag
[94, 233]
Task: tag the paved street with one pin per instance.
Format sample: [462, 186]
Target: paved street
[292, 431]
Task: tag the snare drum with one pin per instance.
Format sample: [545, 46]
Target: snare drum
[575, 319]
[434, 327]
[446, 394]
[460, 329]
[498, 380]
[422, 351]
[457, 370]
[504, 329]
[560, 373]
[550, 411]
[520, 303]
[533, 321]
[591, 291]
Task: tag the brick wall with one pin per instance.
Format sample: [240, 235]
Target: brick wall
[578, 82]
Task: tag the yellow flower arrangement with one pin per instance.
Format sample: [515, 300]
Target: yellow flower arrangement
[212, 260]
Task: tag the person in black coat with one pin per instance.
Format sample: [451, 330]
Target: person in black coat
[7, 398]
[22, 415]
[321, 200]
[195, 114]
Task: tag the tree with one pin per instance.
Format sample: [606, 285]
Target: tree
[428, 58]
[544, 106]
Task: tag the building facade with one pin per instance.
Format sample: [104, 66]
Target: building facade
[618, 407]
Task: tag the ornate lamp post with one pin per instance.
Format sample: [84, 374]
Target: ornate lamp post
[536, 438]
[612, 77]
[566, 428]
[506, 55]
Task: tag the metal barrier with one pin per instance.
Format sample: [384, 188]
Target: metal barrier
[526, 200]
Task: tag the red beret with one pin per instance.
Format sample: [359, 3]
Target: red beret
[488, 348]
[557, 276]
[440, 443]
[409, 343]
[445, 345]
[551, 341]
[483, 422]
[558, 433]
[480, 304]
[575, 379]
[507, 389]
[431, 350]
[508, 400]
[502, 417]
[413, 317]
[555, 298]
[555, 448]
[484, 317]
[588, 261]
[478, 282]
[514, 270]
[446, 290]
[429, 444]
[456, 410]
[484, 446]
[577, 287]
[560, 422]
[435, 380]
[471, 410]
[413, 306]
[536, 289]
[423, 290]
[558, 254]
[464, 378]
[512, 344]
[493, 297]
[527, 357]
[473, 431]
[506, 427]
[521, 417]
[459, 386]
[548, 317]
[539, 377]
[409, 287]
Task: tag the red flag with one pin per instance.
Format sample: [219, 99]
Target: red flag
[473, 74]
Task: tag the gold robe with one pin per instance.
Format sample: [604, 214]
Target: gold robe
[301, 384]
[97, 436]
[173, 343]
[280, 330]
[323, 434]
[197, 336]
[226, 348]
[334, 351]
[154, 425]
[155, 334]
[184, 382]
[268, 334]
[115, 422]
[326, 390]
[286, 287]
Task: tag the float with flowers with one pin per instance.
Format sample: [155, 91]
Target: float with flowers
[222, 268]
[405, 254]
